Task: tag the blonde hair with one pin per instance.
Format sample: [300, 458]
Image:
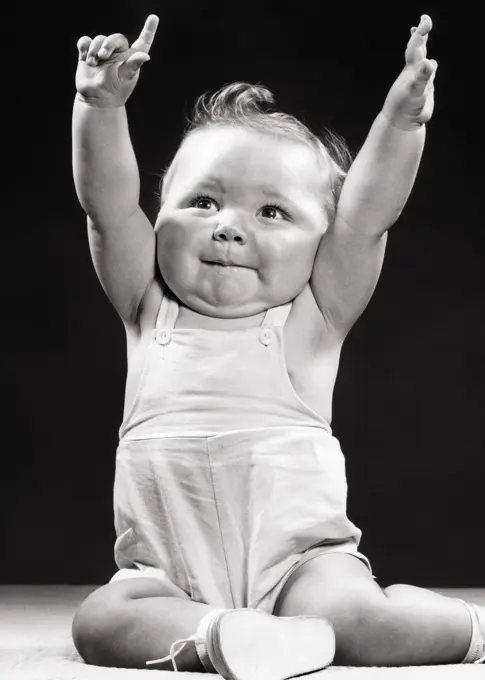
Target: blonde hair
[245, 105]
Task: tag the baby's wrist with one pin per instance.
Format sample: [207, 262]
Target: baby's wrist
[400, 122]
[97, 102]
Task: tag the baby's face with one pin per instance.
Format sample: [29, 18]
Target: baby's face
[241, 223]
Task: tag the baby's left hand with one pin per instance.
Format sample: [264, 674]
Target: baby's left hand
[410, 101]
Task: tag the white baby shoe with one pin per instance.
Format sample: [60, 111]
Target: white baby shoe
[247, 644]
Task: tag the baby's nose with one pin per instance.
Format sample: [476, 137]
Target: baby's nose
[228, 233]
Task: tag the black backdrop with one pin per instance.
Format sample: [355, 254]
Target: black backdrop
[409, 399]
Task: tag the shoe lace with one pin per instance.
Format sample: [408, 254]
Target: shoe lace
[172, 653]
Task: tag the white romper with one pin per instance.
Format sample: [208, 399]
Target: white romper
[226, 482]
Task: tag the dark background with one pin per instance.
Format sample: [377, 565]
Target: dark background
[409, 401]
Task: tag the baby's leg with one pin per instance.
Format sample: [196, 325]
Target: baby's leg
[397, 626]
[126, 623]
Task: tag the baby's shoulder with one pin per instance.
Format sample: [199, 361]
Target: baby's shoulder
[150, 304]
[147, 316]
[306, 326]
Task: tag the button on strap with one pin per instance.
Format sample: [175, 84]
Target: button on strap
[163, 337]
[266, 336]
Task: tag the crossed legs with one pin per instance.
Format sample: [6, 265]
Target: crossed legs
[126, 623]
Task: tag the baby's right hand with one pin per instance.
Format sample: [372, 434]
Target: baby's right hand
[108, 67]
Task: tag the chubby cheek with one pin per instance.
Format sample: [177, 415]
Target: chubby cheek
[173, 238]
[289, 266]
[170, 256]
[176, 244]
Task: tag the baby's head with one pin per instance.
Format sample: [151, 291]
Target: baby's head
[253, 188]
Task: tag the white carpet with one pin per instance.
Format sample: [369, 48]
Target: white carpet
[35, 643]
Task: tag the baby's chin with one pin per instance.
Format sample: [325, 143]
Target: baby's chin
[224, 307]
[221, 304]
[228, 294]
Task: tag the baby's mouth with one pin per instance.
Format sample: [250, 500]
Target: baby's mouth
[225, 263]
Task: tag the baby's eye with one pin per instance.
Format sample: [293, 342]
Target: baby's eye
[273, 208]
[201, 202]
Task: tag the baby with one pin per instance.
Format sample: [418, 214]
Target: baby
[234, 549]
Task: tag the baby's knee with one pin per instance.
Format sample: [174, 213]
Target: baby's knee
[362, 631]
[398, 591]
[94, 624]
[101, 621]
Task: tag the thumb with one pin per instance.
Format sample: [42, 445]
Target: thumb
[423, 75]
[132, 65]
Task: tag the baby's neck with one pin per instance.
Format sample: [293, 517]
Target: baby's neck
[188, 318]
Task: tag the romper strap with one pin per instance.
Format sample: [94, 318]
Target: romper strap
[276, 316]
[168, 312]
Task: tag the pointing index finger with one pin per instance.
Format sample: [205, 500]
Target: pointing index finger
[147, 34]
[421, 31]
[416, 47]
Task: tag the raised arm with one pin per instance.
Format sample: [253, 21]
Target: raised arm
[382, 176]
[106, 177]
[351, 253]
